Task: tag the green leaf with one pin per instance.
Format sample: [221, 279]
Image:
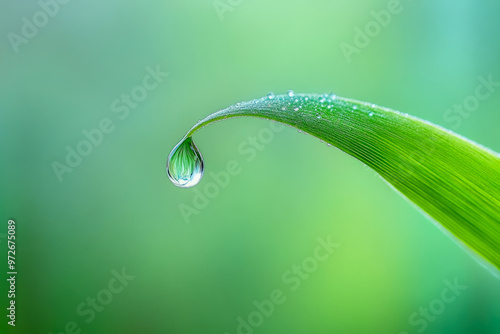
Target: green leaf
[453, 180]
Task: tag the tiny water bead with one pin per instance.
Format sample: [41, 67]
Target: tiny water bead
[185, 164]
[270, 96]
[290, 93]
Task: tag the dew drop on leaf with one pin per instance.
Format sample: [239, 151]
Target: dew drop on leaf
[185, 164]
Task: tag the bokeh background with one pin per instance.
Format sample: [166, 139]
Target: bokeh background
[117, 211]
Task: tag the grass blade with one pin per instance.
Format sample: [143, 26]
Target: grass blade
[453, 180]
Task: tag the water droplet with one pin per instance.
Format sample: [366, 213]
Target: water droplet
[370, 114]
[185, 164]
[270, 95]
[296, 109]
[330, 106]
[318, 116]
[333, 96]
[283, 108]
[328, 144]
[322, 100]
[290, 93]
[355, 107]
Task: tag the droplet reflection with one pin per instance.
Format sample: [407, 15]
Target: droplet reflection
[185, 164]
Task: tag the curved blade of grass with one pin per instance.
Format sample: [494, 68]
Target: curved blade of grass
[453, 180]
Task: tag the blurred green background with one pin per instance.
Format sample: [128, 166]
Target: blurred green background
[117, 211]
